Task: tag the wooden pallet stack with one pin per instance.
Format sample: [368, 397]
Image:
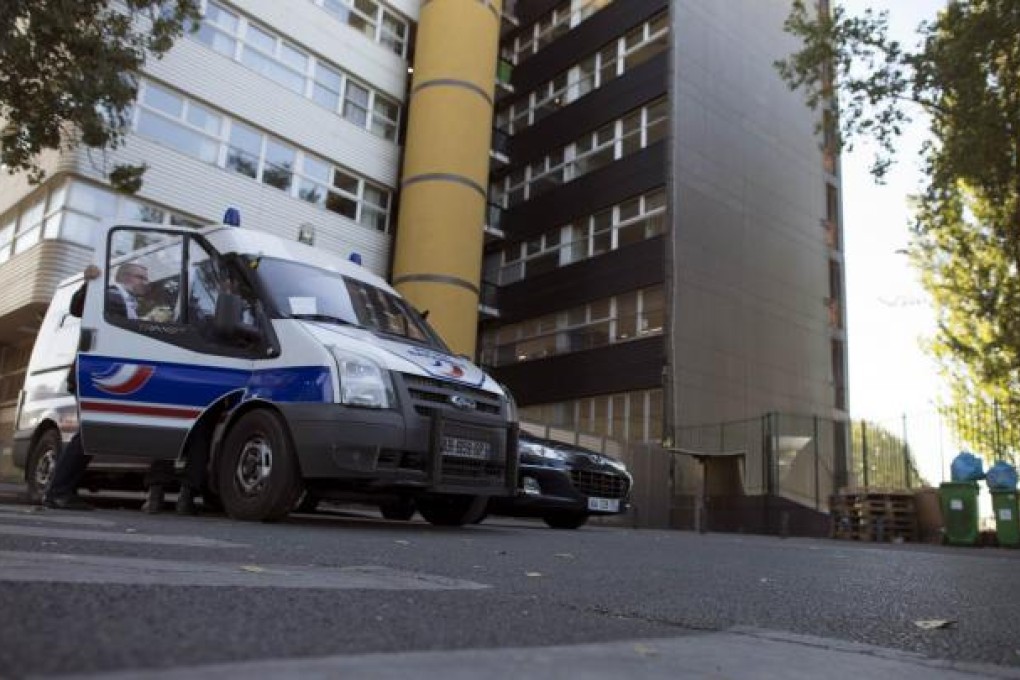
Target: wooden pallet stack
[874, 516]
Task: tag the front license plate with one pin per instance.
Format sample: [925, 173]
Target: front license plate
[466, 448]
[604, 504]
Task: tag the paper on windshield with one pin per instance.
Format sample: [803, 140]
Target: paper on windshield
[302, 305]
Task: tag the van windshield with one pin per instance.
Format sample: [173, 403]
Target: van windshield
[301, 291]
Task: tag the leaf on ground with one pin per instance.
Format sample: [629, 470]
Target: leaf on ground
[564, 556]
[644, 650]
[253, 568]
[401, 541]
[533, 573]
[934, 624]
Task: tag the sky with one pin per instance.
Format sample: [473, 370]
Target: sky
[888, 314]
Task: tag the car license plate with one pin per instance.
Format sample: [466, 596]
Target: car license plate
[466, 448]
[604, 504]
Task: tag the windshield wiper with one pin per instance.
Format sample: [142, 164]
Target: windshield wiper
[325, 318]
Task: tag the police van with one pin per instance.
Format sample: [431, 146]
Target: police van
[296, 371]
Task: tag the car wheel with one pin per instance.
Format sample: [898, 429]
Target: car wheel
[42, 461]
[451, 511]
[565, 520]
[307, 503]
[400, 510]
[258, 474]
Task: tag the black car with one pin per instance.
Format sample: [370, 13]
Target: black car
[564, 484]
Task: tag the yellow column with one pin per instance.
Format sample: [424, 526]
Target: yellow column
[444, 187]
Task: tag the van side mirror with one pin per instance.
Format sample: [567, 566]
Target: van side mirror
[228, 321]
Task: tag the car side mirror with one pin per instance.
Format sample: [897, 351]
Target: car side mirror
[228, 321]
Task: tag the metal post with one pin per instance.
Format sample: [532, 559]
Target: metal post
[864, 451]
[906, 455]
[818, 491]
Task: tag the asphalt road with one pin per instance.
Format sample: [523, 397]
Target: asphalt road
[344, 593]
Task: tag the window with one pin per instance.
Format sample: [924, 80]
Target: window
[553, 24]
[305, 74]
[372, 20]
[590, 152]
[624, 416]
[622, 318]
[637, 46]
[252, 153]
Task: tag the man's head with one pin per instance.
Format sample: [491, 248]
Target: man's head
[134, 278]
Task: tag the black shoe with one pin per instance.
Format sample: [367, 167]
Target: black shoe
[154, 503]
[186, 502]
[69, 502]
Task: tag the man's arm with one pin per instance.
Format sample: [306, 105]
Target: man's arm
[78, 299]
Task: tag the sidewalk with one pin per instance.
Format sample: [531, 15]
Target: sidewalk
[736, 653]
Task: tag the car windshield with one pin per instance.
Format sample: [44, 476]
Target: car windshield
[304, 292]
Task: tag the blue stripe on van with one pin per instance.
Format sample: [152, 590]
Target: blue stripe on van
[158, 382]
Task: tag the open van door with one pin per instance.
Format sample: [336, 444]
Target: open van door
[151, 360]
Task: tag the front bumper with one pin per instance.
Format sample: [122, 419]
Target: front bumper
[399, 449]
[568, 489]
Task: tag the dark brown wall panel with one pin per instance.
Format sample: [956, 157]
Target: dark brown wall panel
[635, 266]
[635, 365]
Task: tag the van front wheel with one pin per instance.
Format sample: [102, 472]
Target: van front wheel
[258, 474]
[41, 463]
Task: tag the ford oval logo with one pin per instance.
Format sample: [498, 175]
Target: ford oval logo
[462, 402]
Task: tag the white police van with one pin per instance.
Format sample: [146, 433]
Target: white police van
[298, 370]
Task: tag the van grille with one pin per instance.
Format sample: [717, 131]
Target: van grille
[472, 472]
[599, 484]
[430, 395]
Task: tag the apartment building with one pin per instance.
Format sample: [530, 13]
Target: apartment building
[671, 242]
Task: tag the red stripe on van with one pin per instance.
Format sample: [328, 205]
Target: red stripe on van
[138, 410]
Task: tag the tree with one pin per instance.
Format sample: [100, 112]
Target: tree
[68, 73]
[966, 237]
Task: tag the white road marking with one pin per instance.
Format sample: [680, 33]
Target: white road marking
[112, 537]
[36, 514]
[18, 566]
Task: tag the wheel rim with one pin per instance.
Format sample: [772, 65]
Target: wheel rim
[44, 468]
[254, 466]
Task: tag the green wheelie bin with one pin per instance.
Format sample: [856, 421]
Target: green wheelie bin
[959, 501]
[1007, 524]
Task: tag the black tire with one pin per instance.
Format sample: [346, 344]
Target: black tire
[400, 510]
[42, 461]
[307, 503]
[451, 511]
[249, 489]
[565, 520]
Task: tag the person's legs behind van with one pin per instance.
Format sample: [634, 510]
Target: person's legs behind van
[68, 472]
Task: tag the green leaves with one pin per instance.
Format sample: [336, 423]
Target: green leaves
[67, 70]
[966, 239]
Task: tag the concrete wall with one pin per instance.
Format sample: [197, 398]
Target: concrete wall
[750, 330]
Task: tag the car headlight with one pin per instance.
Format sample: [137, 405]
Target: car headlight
[543, 452]
[362, 381]
[511, 405]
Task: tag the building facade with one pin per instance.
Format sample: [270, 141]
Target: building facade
[662, 245]
[670, 211]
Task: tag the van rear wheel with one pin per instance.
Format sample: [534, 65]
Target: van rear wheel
[257, 470]
[42, 462]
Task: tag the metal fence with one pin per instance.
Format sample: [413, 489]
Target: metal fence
[777, 473]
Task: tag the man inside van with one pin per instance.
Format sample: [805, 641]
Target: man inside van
[129, 283]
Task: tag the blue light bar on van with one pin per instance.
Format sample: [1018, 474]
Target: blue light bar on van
[232, 217]
[355, 258]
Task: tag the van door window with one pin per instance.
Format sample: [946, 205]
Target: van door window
[143, 281]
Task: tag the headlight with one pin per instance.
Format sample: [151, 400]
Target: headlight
[362, 381]
[511, 405]
[543, 452]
